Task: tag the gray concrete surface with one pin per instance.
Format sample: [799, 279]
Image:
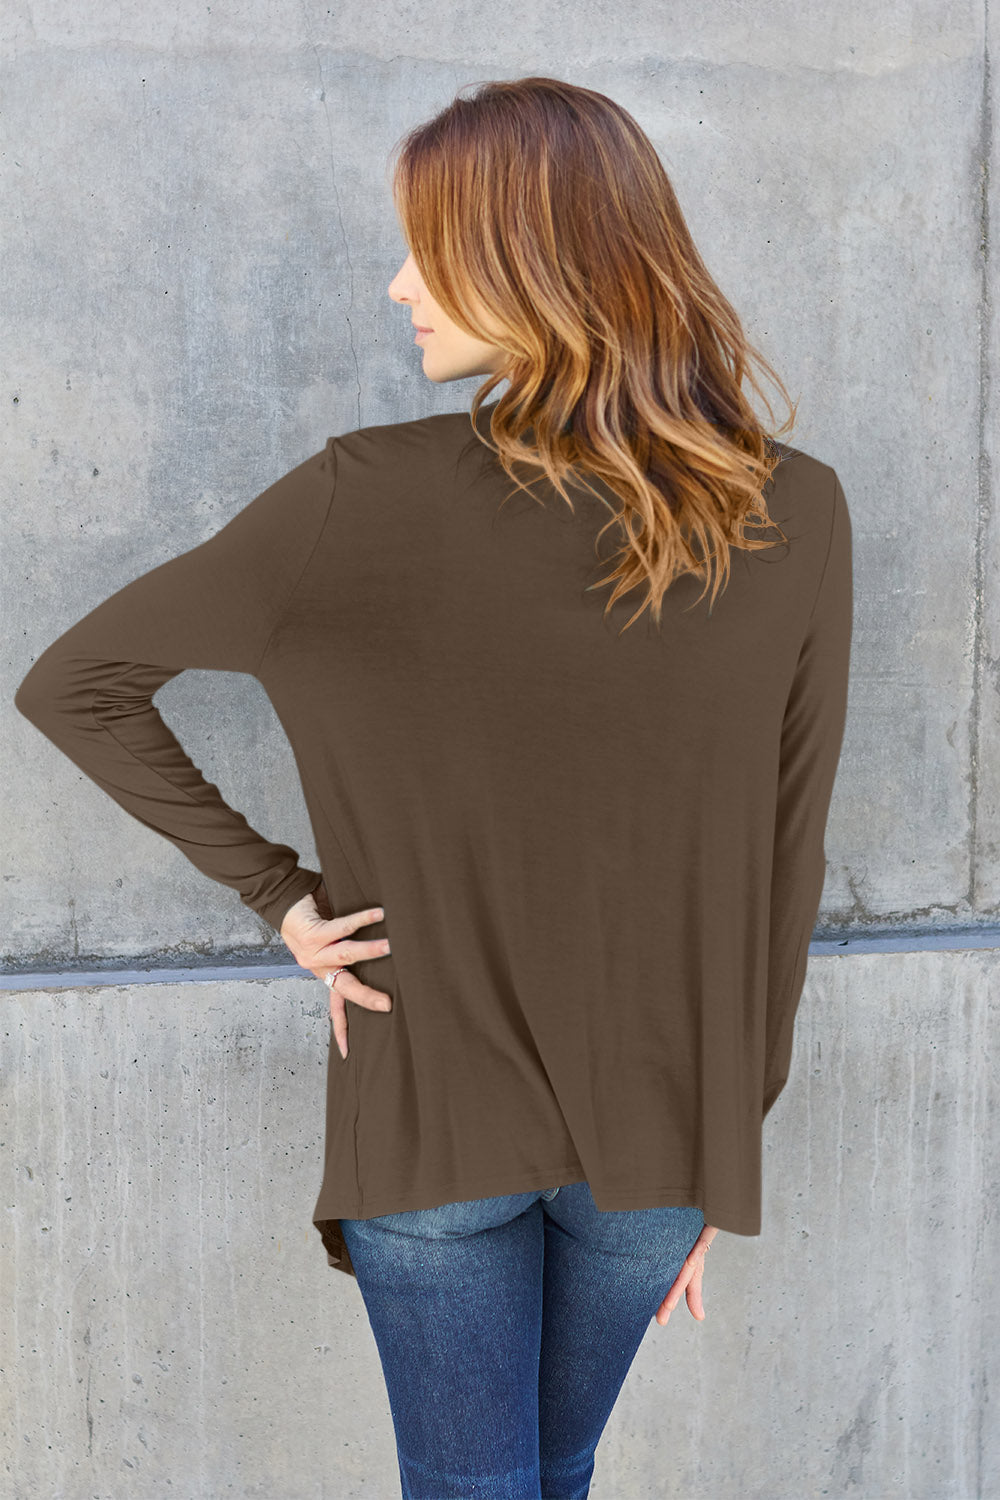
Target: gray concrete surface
[174, 1328]
[198, 239]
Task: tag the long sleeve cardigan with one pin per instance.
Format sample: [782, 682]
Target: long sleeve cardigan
[600, 853]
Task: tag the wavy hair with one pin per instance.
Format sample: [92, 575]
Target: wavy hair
[543, 222]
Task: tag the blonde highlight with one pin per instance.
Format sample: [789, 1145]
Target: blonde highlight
[544, 222]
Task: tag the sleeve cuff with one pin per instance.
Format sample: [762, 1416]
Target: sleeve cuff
[301, 882]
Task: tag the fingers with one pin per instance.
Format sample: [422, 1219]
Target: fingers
[328, 943]
[322, 943]
[693, 1292]
[343, 951]
[697, 1254]
[688, 1282]
[322, 932]
[313, 933]
[676, 1292]
[353, 920]
[338, 1015]
[349, 987]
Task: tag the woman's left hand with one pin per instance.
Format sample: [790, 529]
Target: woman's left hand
[689, 1280]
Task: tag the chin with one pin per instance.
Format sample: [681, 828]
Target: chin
[436, 367]
[442, 379]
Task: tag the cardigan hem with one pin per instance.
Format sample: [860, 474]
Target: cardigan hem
[338, 1256]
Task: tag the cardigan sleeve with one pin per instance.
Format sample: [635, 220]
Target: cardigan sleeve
[811, 737]
[214, 607]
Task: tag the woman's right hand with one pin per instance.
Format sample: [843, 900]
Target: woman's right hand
[321, 942]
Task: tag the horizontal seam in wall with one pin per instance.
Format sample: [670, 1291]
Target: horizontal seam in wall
[83, 978]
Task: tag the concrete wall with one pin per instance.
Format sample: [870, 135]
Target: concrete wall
[199, 235]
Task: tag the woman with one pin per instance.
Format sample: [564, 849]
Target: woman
[592, 828]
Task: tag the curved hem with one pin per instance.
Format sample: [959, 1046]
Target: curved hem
[338, 1256]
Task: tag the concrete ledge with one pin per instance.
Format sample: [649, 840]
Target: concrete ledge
[100, 976]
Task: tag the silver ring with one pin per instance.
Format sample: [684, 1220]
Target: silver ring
[330, 977]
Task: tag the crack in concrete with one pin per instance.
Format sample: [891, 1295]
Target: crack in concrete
[340, 214]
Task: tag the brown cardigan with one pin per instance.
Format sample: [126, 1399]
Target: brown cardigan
[600, 855]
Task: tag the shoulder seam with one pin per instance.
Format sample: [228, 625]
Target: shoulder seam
[332, 451]
[829, 550]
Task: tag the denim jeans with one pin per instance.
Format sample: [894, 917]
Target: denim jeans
[506, 1327]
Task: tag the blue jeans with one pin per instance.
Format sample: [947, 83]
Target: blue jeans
[506, 1327]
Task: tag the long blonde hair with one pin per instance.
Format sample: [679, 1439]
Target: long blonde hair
[543, 208]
